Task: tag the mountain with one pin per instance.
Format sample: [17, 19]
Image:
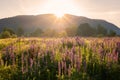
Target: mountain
[29, 22]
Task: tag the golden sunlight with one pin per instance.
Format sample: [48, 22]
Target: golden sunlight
[59, 14]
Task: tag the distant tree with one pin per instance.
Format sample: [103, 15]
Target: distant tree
[37, 33]
[20, 31]
[62, 34]
[50, 33]
[85, 30]
[100, 30]
[13, 36]
[112, 33]
[9, 30]
[5, 34]
[71, 31]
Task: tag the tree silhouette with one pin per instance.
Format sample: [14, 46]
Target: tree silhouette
[37, 33]
[71, 31]
[20, 31]
[85, 30]
[101, 30]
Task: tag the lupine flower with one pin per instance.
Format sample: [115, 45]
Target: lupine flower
[69, 70]
[31, 62]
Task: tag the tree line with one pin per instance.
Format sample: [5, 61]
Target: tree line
[83, 30]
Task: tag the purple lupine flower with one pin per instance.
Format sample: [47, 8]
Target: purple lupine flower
[62, 64]
[31, 62]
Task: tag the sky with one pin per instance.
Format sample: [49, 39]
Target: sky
[108, 10]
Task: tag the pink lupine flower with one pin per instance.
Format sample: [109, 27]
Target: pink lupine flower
[31, 62]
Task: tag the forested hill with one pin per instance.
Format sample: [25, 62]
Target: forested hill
[30, 23]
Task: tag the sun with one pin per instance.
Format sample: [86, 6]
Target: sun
[59, 14]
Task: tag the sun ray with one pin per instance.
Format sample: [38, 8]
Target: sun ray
[59, 14]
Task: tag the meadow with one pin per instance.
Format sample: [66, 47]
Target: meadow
[75, 58]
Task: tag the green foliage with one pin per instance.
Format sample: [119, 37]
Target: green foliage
[9, 30]
[62, 34]
[49, 33]
[20, 31]
[2, 46]
[13, 36]
[37, 33]
[85, 30]
[71, 31]
[101, 30]
[112, 33]
[5, 34]
[8, 73]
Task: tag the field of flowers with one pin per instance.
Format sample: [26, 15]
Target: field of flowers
[60, 59]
